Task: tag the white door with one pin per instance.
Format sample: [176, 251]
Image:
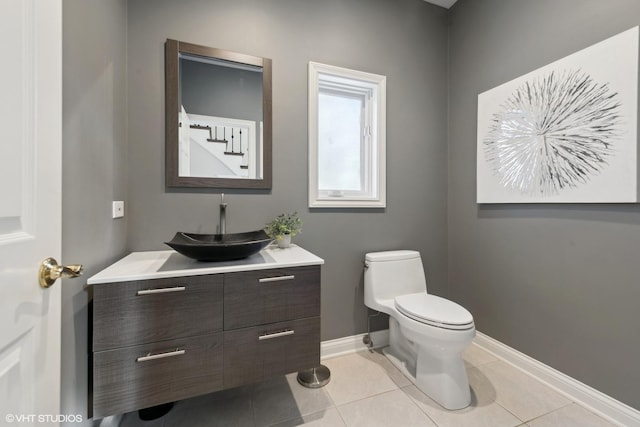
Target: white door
[30, 209]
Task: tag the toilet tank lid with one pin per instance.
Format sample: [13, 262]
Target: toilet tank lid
[392, 255]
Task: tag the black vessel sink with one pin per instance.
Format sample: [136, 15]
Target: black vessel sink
[219, 247]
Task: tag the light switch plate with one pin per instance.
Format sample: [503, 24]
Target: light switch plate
[118, 209]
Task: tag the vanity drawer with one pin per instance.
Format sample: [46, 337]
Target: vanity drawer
[138, 312]
[257, 353]
[137, 377]
[267, 296]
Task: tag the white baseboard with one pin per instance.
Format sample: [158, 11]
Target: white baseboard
[592, 399]
[352, 344]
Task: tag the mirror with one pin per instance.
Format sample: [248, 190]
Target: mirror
[218, 118]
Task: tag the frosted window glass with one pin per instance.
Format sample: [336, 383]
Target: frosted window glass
[340, 145]
[347, 127]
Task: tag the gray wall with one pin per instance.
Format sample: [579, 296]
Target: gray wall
[406, 40]
[557, 282]
[93, 170]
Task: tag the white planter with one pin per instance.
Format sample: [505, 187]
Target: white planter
[284, 241]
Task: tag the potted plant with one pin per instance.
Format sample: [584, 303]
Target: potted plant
[283, 228]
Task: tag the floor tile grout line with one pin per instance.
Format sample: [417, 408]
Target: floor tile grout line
[301, 417]
[564, 407]
[253, 409]
[543, 384]
[416, 403]
[508, 411]
[550, 412]
[341, 416]
[570, 402]
[332, 402]
[324, 387]
[401, 389]
[367, 397]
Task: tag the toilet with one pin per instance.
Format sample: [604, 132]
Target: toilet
[427, 333]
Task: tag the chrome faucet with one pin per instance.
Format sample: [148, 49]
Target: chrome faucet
[223, 215]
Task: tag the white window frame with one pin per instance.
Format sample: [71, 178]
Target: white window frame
[372, 87]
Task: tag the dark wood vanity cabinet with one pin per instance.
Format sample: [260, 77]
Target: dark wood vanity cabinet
[155, 341]
[162, 340]
[271, 323]
[144, 311]
[268, 296]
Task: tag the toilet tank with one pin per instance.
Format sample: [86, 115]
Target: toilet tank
[390, 274]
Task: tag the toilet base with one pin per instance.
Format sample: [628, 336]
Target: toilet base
[447, 392]
[399, 363]
[438, 372]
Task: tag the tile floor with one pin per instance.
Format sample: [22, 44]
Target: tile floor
[367, 390]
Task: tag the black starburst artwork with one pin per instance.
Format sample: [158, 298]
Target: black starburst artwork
[553, 133]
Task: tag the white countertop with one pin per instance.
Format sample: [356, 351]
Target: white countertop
[161, 264]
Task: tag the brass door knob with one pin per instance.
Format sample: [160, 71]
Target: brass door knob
[50, 271]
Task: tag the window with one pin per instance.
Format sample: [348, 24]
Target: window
[346, 137]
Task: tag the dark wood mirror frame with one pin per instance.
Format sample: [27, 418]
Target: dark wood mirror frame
[172, 90]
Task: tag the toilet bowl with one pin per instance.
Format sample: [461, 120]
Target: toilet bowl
[427, 333]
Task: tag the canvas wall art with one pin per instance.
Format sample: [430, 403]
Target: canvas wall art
[564, 133]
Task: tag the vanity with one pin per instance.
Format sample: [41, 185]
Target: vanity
[166, 327]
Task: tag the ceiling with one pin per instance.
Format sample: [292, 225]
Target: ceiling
[444, 3]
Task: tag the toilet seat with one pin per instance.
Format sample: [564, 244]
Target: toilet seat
[434, 310]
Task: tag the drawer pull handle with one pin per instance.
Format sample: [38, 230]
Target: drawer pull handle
[276, 279]
[275, 335]
[161, 290]
[160, 355]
